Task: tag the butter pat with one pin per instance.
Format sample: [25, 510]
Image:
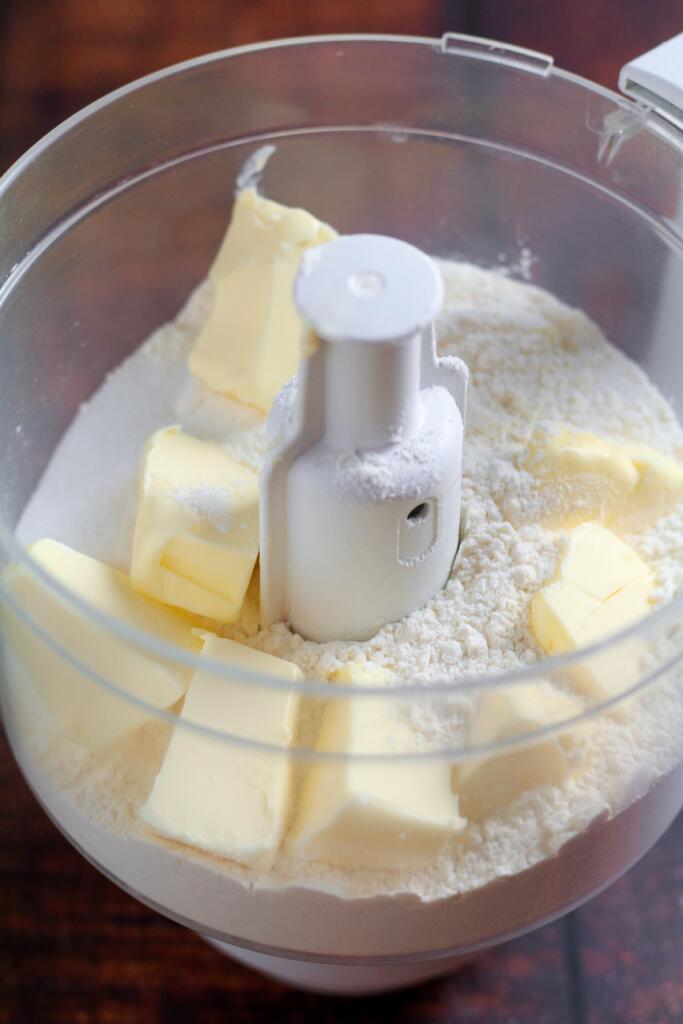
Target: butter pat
[569, 452]
[392, 815]
[210, 793]
[197, 533]
[251, 343]
[77, 703]
[660, 487]
[489, 782]
[584, 477]
[599, 563]
[366, 673]
[601, 586]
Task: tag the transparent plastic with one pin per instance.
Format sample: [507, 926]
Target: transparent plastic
[107, 226]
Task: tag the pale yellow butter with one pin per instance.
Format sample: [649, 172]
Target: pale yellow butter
[366, 673]
[225, 798]
[660, 487]
[584, 477]
[251, 343]
[567, 452]
[486, 783]
[351, 814]
[76, 702]
[601, 586]
[599, 563]
[197, 533]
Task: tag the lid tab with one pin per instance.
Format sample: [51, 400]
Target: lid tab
[496, 52]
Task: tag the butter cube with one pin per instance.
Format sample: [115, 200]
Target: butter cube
[558, 614]
[214, 794]
[599, 563]
[660, 486]
[601, 586]
[75, 702]
[611, 672]
[251, 343]
[366, 673]
[488, 782]
[197, 533]
[585, 477]
[351, 814]
[568, 452]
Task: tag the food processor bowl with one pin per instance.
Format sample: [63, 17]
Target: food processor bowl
[467, 149]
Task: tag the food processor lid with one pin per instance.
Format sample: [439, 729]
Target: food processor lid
[656, 79]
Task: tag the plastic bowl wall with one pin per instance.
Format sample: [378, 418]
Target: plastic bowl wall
[109, 223]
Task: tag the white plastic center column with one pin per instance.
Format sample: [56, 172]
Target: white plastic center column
[373, 317]
[360, 501]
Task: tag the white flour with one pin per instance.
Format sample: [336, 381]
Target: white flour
[531, 358]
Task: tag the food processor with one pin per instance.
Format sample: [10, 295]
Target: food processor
[463, 148]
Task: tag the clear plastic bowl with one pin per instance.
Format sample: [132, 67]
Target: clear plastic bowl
[467, 149]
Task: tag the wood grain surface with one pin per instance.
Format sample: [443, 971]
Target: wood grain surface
[73, 948]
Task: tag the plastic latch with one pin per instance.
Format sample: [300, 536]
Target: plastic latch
[656, 79]
[497, 52]
[618, 127]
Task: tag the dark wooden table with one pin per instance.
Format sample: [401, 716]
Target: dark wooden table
[75, 949]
